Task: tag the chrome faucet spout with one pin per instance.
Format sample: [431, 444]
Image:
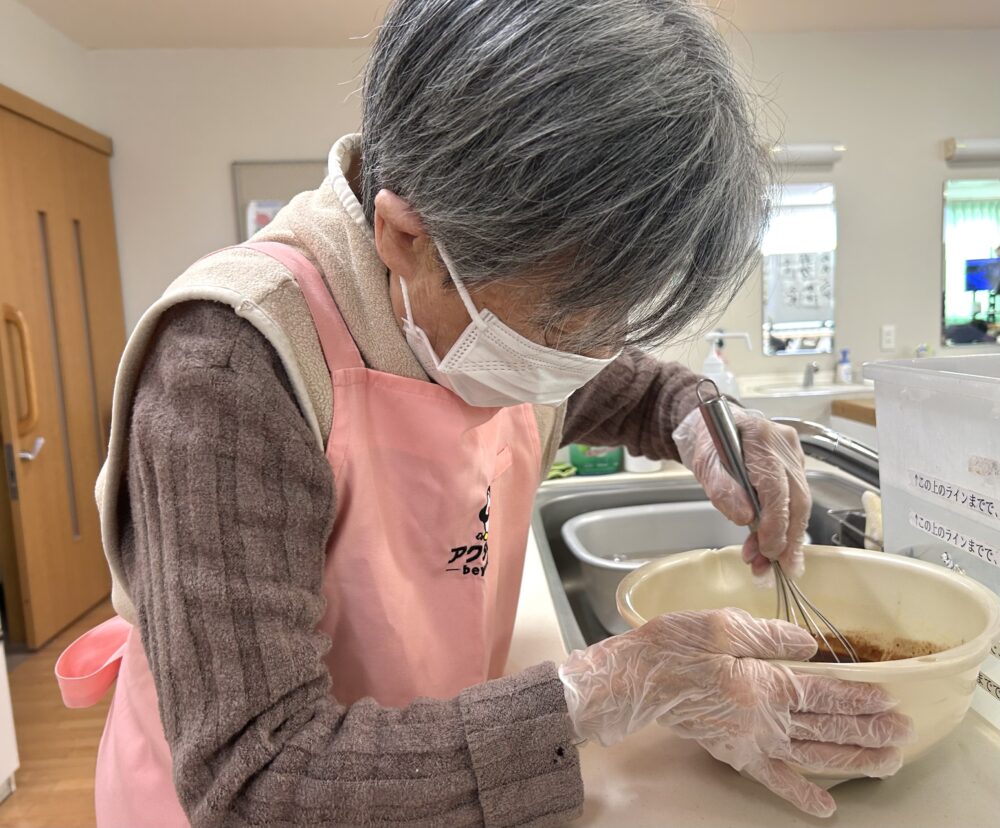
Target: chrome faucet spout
[834, 448]
[812, 369]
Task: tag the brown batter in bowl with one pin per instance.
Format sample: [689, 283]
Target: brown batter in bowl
[872, 647]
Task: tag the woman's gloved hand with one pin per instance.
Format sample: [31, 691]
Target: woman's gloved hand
[704, 675]
[776, 465]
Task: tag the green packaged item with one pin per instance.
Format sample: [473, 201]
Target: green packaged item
[561, 470]
[596, 459]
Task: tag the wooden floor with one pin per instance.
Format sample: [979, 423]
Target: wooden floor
[58, 746]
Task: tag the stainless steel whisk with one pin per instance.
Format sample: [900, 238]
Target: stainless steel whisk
[793, 605]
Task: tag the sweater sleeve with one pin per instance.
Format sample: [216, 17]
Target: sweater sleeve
[230, 504]
[636, 402]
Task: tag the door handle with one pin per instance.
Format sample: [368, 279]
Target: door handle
[27, 423]
[36, 449]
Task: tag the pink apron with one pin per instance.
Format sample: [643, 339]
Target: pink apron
[423, 567]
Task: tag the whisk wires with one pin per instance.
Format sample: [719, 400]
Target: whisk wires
[794, 607]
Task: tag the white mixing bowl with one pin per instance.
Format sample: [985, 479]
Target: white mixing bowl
[868, 592]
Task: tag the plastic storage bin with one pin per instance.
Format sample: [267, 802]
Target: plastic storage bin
[638, 464]
[939, 466]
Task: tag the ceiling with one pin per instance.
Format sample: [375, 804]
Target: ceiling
[859, 15]
[138, 24]
[192, 24]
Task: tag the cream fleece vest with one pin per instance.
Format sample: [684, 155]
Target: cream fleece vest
[328, 226]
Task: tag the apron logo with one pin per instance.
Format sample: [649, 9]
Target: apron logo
[475, 558]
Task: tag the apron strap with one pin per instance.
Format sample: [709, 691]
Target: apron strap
[339, 348]
[89, 666]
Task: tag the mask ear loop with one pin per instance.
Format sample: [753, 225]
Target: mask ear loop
[470, 306]
[406, 301]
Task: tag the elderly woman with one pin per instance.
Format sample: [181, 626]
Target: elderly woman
[326, 444]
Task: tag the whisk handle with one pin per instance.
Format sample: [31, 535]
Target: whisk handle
[726, 437]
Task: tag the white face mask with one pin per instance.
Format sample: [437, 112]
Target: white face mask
[492, 365]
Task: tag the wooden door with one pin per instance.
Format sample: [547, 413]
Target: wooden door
[62, 331]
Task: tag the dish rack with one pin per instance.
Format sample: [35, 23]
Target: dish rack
[852, 525]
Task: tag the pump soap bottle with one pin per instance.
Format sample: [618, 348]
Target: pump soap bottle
[845, 374]
[715, 368]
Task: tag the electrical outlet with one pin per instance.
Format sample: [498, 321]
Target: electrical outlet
[888, 339]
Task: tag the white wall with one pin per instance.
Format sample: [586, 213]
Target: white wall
[891, 97]
[180, 118]
[43, 64]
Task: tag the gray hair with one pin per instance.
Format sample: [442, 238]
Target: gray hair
[605, 146]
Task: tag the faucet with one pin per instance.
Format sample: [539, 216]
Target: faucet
[836, 449]
[812, 369]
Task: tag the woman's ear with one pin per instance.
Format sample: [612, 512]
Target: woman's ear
[399, 235]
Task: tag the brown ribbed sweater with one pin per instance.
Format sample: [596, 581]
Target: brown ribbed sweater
[230, 504]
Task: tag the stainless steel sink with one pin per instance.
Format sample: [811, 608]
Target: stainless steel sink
[556, 504]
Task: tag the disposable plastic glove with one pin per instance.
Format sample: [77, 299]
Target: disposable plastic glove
[703, 675]
[776, 465]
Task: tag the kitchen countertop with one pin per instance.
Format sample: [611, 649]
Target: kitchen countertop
[859, 410]
[655, 779]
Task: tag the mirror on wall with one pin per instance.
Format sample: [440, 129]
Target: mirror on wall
[971, 261]
[799, 251]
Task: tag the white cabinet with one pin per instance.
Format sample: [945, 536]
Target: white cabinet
[9, 761]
